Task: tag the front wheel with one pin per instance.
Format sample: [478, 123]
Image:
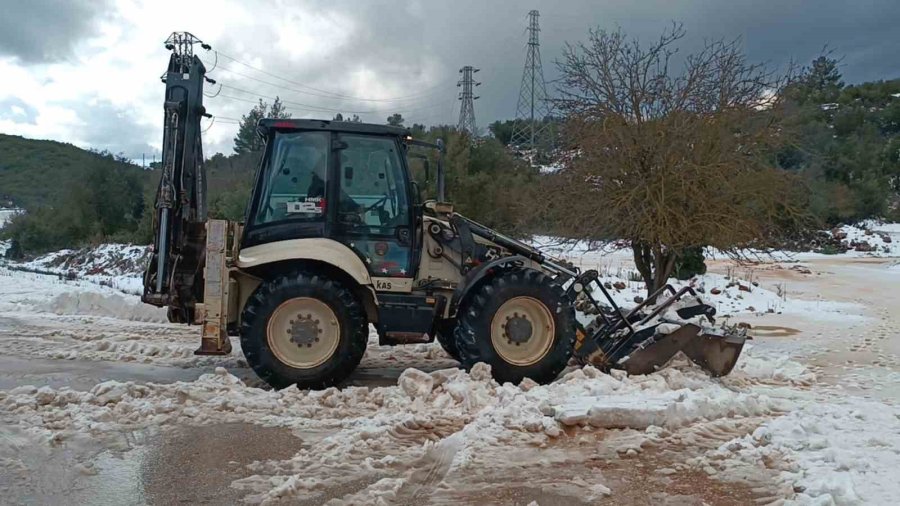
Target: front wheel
[303, 329]
[445, 331]
[521, 324]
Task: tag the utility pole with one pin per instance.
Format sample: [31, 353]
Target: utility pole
[530, 132]
[467, 97]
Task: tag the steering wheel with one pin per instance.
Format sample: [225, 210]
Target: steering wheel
[379, 203]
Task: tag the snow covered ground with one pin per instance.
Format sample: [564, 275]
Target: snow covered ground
[95, 386]
[6, 214]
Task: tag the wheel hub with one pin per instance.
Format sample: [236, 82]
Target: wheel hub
[518, 329]
[523, 330]
[304, 330]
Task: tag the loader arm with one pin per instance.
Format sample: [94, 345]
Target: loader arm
[174, 276]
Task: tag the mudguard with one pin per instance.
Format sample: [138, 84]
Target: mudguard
[475, 277]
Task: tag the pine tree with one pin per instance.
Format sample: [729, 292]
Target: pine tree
[395, 119]
[820, 83]
[246, 140]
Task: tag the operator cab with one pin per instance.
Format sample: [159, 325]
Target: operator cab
[338, 180]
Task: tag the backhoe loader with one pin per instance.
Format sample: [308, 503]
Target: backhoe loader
[337, 237]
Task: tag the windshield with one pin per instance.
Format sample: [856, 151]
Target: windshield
[293, 186]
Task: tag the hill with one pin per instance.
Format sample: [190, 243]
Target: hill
[36, 173]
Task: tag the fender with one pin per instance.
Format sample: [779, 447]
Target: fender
[478, 275]
[324, 250]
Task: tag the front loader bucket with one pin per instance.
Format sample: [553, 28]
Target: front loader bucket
[714, 352]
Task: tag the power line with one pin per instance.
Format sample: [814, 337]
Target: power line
[298, 106]
[322, 93]
[424, 94]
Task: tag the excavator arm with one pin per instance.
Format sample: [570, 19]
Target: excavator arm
[174, 276]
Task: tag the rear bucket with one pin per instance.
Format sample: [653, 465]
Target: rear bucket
[715, 352]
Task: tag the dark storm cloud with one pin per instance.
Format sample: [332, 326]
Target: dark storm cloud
[399, 41]
[39, 31]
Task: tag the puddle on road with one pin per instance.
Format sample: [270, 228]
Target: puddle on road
[196, 465]
[773, 331]
[186, 465]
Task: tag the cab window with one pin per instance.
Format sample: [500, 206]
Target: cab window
[293, 186]
[373, 186]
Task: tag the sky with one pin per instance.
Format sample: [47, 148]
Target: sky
[87, 71]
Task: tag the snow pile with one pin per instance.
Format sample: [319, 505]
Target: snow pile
[105, 260]
[773, 369]
[7, 213]
[831, 451]
[58, 295]
[113, 305]
[870, 238]
[670, 398]
[447, 421]
[119, 266]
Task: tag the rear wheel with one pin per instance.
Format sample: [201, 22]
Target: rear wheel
[303, 329]
[521, 324]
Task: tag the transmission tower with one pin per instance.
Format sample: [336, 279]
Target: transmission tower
[467, 97]
[530, 131]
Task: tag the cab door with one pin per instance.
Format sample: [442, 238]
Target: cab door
[373, 208]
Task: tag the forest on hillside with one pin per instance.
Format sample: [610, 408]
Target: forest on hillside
[842, 141]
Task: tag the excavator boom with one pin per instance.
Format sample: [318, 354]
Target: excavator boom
[174, 277]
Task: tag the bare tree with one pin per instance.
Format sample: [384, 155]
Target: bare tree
[671, 160]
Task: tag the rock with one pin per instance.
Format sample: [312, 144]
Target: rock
[886, 238]
[839, 234]
[619, 285]
[701, 289]
[527, 384]
[755, 283]
[638, 299]
[44, 396]
[442, 376]
[546, 408]
[416, 383]
[744, 325]
[867, 232]
[480, 372]
[607, 285]
[744, 288]
[715, 291]
[751, 309]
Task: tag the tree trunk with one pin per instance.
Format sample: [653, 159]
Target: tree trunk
[655, 263]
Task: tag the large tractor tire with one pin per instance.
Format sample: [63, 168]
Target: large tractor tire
[303, 329]
[445, 333]
[521, 324]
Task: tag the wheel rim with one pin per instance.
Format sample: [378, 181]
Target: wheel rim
[522, 331]
[303, 332]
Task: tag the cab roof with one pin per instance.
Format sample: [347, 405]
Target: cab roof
[269, 124]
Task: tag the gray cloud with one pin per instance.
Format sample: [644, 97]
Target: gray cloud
[18, 111]
[400, 41]
[416, 48]
[40, 31]
[111, 128]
